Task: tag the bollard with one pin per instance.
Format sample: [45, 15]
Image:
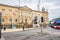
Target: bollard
[0, 31]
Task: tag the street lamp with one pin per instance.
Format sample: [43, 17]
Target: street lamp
[11, 19]
[21, 13]
[11, 22]
[22, 19]
[22, 22]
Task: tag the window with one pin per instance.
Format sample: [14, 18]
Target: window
[15, 20]
[10, 19]
[16, 11]
[10, 10]
[2, 19]
[3, 11]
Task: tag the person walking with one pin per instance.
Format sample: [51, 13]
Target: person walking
[23, 28]
[4, 28]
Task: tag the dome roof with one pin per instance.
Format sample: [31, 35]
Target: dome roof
[43, 9]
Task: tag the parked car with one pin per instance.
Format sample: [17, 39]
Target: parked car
[55, 24]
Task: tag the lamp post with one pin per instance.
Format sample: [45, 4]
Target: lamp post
[11, 22]
[21, 14]
[11, 18]
[22, 22]
[22, 19]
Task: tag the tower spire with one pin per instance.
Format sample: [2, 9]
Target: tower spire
[46, 8]
[38, 5]
[19, 2]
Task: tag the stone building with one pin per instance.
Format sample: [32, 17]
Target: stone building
[15, 16]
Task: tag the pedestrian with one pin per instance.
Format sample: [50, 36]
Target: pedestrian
[4, 28]
[23, 28]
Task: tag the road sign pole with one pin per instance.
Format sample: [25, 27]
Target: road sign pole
[42, 24]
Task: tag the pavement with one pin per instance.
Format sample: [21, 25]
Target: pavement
[31, 34]
[16, 29]
[2, 38]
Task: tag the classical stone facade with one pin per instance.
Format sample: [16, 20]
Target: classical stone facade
[15, 16]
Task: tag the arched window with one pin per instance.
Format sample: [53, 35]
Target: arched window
[3, 11]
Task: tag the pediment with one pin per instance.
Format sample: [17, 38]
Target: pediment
[25, 8]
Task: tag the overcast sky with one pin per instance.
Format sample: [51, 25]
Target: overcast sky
[53, 6]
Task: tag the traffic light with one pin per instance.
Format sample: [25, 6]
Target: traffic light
[35, 20]
[42, 20]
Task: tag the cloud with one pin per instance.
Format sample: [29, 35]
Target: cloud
[53, 6]
[49, 1]
[54, 15]
[9, 2]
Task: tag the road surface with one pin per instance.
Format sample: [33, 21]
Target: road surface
[49, 34]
